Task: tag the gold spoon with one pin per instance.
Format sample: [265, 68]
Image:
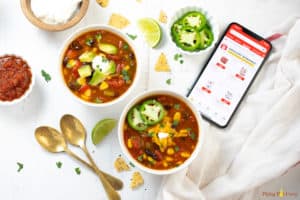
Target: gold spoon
[53, 141]
[74, 132]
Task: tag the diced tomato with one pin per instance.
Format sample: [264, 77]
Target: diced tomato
[72, 54]
[135, 143]
[116, 82]
[113, 57]
[84, 88]
[75, 73]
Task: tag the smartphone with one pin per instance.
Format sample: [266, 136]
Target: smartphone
[228, 73]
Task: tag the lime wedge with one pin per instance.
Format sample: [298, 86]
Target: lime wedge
[151, 31]
[102, 129]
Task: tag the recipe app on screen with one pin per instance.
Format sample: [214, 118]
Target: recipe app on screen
[228, 74]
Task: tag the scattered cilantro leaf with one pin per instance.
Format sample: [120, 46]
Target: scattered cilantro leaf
[133, 37]
[177, 106]
[176, 148]
[175, 123]
[168, 81]
[89, 41]
[77, 170]
[177, 56]
[125, 75]
[20, 166]
[125, 46]
[181, 61]
[97, 100]
[193, 136]
[46, 76]
[98, 37]
[59, 164]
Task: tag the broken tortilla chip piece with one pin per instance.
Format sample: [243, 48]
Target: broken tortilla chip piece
[162, 64]
[163, 18]
[103, 3]
[136, 180]
[118, 21]
[121, 165]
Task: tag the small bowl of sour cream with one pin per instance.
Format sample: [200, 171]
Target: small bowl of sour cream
[54, 15]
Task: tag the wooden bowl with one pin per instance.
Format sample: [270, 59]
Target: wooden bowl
[26, 8]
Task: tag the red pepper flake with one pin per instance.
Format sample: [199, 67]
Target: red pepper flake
[15, 77]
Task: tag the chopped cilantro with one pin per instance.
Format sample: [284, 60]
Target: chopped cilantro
[140, 158]
[89, 41]
[98, 37]
[125, 75]
[133, 37]
[77, 170]
[46, 76]
[131, 164]
[177, 106]
[181, 61]
[177, 56]
[168, 81]
[59, 164]
[20, 166]
[188, 129]
[150, 134]
[97, 100]
[193, 136]
[125, 46]
[175, 123]
[176, 148]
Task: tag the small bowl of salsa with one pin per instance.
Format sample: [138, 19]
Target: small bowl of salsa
[16, 79]
[98, 65]
[160, 132]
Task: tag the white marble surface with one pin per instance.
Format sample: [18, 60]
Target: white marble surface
[40, 178]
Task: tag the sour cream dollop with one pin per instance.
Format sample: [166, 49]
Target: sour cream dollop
[54, 11]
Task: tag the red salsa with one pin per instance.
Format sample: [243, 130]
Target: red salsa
[99, 66]
[161, 132]
[15, 77]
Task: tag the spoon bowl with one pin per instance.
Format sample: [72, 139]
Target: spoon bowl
[50, 139]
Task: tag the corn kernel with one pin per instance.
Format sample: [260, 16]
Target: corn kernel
[103, 85]
[87, 93]
[170, 151]
[185, 154]
[169, 159]
[85, 97]
[177, 116]
[150, 159]
[127, 67]
[165, 164]
[81, 81]
[95, 49]
[179, 162]
[144, 156]
[129, 143]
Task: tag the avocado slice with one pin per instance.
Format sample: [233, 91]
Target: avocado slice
[85, 71]
[87, 56]
[108, 48]
[97, 78]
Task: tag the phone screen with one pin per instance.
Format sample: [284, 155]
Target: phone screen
[228, 73]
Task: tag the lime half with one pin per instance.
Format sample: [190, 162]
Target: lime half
[102, 129]
[151, 30]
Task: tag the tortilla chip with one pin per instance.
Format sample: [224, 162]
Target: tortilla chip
[121, 165]
[136, 180]
[118, 21]
[162, 64]
[163, 18]
[103, 3]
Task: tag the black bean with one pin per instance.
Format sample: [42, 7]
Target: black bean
[75, 45]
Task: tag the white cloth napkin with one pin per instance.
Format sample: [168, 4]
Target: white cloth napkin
[262, 141]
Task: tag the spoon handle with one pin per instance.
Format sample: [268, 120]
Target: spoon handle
[114, 182]
[111, 193]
